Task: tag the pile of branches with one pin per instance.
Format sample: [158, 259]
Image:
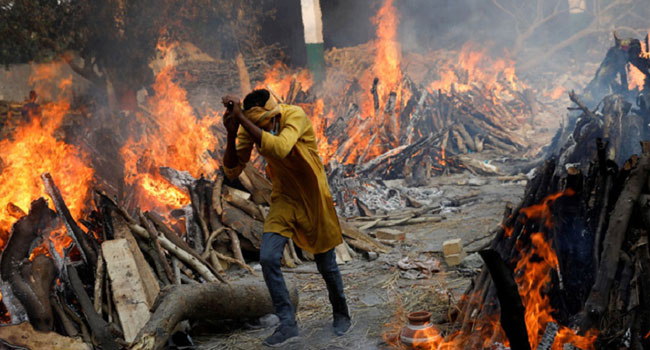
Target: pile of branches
[598, 227]
[435, 130]
[131, 277]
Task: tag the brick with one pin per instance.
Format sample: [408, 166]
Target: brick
[454, 259]
[452, 246]
[390, 234]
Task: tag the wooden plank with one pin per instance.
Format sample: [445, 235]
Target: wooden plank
[353, 233]
[128, 288]
[24, 335]
[146, 274]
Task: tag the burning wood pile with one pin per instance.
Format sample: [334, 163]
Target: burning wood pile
[386, 127]
[568, 267]
[122, 280]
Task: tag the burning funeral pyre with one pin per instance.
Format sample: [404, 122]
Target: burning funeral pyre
[114, 235]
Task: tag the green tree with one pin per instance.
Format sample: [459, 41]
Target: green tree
[111, 42]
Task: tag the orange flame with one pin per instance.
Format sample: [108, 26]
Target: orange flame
[386, 67]
[475, 67]
[533, 274]
[388, 54]
[278, 79]
[34, 149]
[556, 93]
[635, 78]
[543, 209]
[175, 138]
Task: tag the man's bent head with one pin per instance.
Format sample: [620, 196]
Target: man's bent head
[260, 107]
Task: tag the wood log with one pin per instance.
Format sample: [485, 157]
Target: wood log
[83, 241]
[216, 194]
[478, 142]
[512, 309]
[247, 206]
[153, 234]
[574, 98]
[467, 138]
[100, 328]
[21, 300]
[198, 213]
[123, 231]
[178, 178]
[193, 231]
[342, 253]
[177, 270]
[127, 286]
[69, 327]
[294, 253]
[39, 275]
[245, 225]
[244, 77]
[202, 302]
[246, 182]
[24, 336]
[287, 259]
[355, 235]
[150, 251]
[170, 235]
[262, 187]
[598, 298]
[460, 145]
[196, 264]
[99, 284]
[362, 207]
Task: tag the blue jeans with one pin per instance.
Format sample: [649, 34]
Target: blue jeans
[271, 251]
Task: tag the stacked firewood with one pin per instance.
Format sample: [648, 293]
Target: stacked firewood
[436, 129]
[595, 216]
[131, 277]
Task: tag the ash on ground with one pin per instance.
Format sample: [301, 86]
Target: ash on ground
[380, 196]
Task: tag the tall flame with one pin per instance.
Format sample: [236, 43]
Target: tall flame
[174, 137]
[388, 54]
[35, 148]
[361, 144]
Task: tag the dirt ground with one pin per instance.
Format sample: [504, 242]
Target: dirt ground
[378, 292]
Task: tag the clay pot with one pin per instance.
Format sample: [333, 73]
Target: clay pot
[419, 330]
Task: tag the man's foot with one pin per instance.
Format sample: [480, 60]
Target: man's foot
[282, 336]
[341, 324]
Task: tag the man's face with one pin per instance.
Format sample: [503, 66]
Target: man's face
[269, 126]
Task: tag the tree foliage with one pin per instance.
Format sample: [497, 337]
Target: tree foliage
[116, 39]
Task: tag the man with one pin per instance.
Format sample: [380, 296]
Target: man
[301, 204]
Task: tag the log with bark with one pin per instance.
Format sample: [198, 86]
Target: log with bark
[208, 301]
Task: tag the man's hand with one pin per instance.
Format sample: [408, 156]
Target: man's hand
[230, 122]
[232, 115]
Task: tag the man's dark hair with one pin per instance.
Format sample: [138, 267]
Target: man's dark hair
[257, 98]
